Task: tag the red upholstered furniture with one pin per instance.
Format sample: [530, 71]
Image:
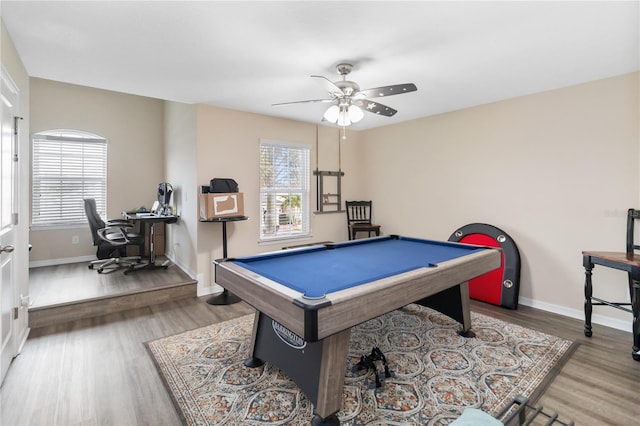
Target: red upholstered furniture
[500, 286]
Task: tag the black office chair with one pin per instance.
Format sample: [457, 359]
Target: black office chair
[111, 239]
[359, 218]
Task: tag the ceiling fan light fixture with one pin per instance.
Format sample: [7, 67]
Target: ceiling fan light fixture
[343, 115]
[332, 113]
[343, 118]
[355, 113]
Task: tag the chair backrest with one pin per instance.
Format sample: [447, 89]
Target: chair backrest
[632, 215]
[95, 221]
[358, 212]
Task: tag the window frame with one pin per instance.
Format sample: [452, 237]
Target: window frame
[66, 162]
[286, 230]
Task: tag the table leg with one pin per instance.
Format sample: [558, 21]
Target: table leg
[332, 371]
[634, 283]
[152, 243]
[454, 303]
[318, 368]
[588, 292]
[226, 297]
[152, 253]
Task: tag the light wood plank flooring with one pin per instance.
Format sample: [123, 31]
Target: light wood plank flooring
[54, 285]
[73, 291]
[97, 371]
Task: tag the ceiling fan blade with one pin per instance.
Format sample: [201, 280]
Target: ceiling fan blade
[396, 89]
[330, 86]
[378, 108]
[304, 102]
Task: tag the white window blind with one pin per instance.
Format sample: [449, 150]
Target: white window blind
[68, 166]
[284, 190]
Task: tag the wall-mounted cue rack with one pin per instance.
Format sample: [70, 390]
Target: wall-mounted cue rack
[328, 201]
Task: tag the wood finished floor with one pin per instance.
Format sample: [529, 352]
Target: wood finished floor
[97, 371]
[53, 285]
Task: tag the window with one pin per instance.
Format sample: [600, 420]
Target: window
[68, 166]
[284, 190]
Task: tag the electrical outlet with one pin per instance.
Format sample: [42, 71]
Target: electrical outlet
[75, 239]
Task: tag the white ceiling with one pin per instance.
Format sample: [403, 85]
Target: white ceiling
[249, 55]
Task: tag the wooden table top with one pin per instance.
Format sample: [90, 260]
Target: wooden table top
[615, 256]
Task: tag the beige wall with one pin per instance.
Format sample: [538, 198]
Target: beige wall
[227, 146]
[555, 170]
[180, 161]
[134, 129]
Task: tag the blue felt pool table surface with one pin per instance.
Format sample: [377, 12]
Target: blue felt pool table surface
[320, 270]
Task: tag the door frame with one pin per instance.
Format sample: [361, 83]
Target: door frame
[19, 216]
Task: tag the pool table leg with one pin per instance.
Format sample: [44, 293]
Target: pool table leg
[454, 303]
[254, 362]
[333, 368]
[332, 420]
[318, 368]
[466, 311]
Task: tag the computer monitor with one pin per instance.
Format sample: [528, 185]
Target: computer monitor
[164, 196]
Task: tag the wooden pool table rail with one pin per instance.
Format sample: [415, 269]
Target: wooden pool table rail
[355, 305]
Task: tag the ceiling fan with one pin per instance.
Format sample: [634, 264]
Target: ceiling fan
[349, 101]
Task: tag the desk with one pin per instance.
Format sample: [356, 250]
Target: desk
[623, 262]
[308, 299]
[151, 219]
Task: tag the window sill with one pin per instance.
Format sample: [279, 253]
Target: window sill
[37, 228]
[279, 241]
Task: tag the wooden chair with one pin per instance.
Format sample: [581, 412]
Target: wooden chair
[627, 261]
[359, 218]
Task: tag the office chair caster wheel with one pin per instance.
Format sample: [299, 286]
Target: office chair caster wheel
[90, 266]
[100, 270]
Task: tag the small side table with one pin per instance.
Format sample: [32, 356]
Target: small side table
[226, 297]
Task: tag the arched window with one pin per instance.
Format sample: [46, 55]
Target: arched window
[68, 166]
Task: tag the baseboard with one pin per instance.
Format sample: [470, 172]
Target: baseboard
[182, 266]
[23, 339]
[203, 290]
[63, 261]
[211, 289]
[89, 258]
[578, 314]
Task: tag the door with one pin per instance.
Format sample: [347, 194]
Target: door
[8, 172]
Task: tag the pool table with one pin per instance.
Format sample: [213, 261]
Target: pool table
[308, 299]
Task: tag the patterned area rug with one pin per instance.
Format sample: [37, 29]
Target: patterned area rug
[437, 373]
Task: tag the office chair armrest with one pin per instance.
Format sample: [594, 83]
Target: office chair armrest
[115, 235]
[119, 222]
[123, 230]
